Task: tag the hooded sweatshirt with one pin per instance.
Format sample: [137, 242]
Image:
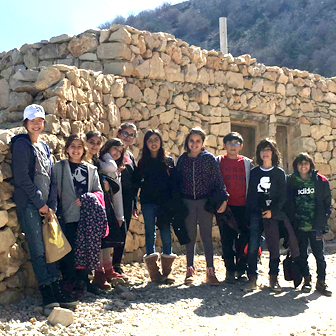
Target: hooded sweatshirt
[25, 166]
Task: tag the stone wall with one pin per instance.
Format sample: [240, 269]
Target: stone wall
[155, 81]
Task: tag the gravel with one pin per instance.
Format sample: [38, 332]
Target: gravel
[145, 308]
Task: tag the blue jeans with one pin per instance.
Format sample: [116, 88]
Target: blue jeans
[256, 228]
[150, 213]
[31, 224]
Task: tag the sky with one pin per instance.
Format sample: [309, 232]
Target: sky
[23, 21]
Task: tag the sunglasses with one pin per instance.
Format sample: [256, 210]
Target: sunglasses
[127, 135]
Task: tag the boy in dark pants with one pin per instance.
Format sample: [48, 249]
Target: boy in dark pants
[309, 202]
[235, 170]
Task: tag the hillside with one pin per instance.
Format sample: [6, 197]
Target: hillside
[296, 34]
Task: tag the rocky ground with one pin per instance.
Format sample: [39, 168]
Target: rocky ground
[150, 309]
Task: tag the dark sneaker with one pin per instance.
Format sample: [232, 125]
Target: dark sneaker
[274, 284]
[49, 299]
[241, 277]
[230, 277]
[251, 285]
[322, 287]
[306, 287]
[93, 289]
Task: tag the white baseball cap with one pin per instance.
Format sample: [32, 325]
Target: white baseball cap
[33, 111]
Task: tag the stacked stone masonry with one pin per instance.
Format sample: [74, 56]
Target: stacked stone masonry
[101, 78]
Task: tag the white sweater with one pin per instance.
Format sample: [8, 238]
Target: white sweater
[109, 167]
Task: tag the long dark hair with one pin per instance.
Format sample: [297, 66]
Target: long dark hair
[108, 145]
[276, 156]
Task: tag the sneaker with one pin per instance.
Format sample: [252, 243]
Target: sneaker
[241, 277]
[251, 285]
[306, 287]
[230, 277]
[49, 299]
[211, 277]
[274, 284]
[322, 287]
[119, 270]
[111, 275]
[189, 279]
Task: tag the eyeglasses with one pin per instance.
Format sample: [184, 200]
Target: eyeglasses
[236, 144]
[127, 135]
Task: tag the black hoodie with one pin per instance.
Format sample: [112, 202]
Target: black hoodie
[23, 167]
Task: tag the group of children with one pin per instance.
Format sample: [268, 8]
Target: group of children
[246, 201]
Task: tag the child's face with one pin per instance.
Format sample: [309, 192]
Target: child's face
[94, 145]
[195, 144]
[233, 148]
[303, 167]
[76, 151]
[35, 126]
[153, 143]
[127, 136]
[266, 154]
[115, 152]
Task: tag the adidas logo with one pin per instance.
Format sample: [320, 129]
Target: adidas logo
[306, 191]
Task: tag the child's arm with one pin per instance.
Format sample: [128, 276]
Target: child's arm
[96, 186]
[109, 166]
[118, 204]
[281, 190]
[327, 197]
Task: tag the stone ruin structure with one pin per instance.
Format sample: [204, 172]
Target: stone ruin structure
[100, 78]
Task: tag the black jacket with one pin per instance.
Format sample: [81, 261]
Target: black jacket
[322, 201]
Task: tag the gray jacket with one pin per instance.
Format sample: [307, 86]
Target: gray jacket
[71, 211]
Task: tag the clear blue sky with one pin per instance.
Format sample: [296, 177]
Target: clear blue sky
[24, 21]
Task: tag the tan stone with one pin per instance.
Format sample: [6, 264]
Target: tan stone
[55, 105]
[329, 98]
[113, 115]
[173, 73]
[290, 90]
[115, 50]
[19, 100]
[47, 77]
[7, 239]
[321, 146]
[258, 84]
[84, 43]
[61, 89]
[211, 141]
[269, 86]
[4, 93]
[203, 76]
[121, 35]
[325, 169]
[3, 218]
[62, 316]
[303, 144]
[180, 102]
[133, 92]
[117, 88]
[191, 73]
[118, 68]
[318, 131]
[142, 70]
[150, 96]
[220, 129]
[235, 80]
[302, 130]
[156, 68]
[167, 117]
[6, 191]
[317, 94]
[305, 92]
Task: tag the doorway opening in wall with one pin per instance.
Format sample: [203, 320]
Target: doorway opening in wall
[249, 135]
[281, 139]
